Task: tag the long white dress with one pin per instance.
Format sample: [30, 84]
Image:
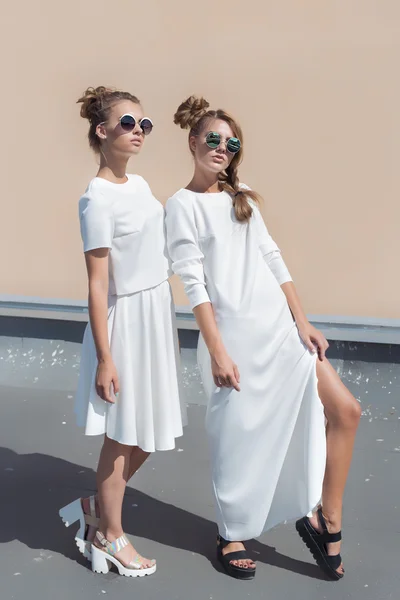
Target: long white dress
[148, 411]
[267, 441]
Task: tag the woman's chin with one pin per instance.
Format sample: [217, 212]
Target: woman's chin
[135, 149]
[131, 151]
[215, 167]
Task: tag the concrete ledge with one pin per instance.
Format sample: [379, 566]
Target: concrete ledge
[43, 308]
[27, 328]
[339, 328]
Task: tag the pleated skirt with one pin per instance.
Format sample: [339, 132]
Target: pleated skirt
[150, 411]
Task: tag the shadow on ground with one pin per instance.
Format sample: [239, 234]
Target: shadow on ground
[34, 487]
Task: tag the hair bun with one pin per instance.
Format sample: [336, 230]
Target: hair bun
[190, 112]
[89, 99]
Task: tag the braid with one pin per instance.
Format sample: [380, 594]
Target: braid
[229, 182]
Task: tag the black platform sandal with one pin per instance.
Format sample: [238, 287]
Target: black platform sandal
[316, 543]
[225, 560]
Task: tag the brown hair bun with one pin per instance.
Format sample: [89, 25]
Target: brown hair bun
[90, 98]
[190, 112]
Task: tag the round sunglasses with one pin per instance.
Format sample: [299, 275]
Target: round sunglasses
[128, 123]
[213, 140]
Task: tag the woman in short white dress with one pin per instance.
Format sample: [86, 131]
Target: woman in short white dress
[263, 364]
[128, 383]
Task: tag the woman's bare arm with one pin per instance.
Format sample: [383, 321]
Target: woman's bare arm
[97, 269]
[309, 334]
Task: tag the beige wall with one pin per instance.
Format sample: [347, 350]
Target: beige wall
[314, 84]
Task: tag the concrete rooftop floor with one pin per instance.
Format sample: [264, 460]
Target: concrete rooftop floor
[45, 462]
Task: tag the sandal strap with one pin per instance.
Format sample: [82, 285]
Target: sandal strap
[321, 519]
[137, 562]
[92, 506]
[334, 561]
[326, 536]
[238, 555]
[329, 538]
[92, 521]
[222, 542]
[112, 547]
[229, 556]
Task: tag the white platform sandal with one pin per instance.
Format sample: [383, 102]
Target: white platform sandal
[101, 558]
[72, 513]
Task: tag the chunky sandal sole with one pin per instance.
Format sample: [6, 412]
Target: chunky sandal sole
[307, 533]
[102, 561]
[70, 514]
[238, 574]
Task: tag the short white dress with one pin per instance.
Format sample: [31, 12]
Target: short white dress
[149, 411]
[267, 441]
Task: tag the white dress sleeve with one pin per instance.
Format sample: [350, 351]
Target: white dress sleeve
[97, 222]
[269, 249]
[184, 250]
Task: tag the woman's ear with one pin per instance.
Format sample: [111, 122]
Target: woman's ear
[101, 131]
[192, 143]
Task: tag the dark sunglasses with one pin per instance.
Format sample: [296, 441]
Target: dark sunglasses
[128, 123]
[213, 140]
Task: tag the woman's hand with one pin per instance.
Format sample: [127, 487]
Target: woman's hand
[224, 370]
[105, 377]
[313, 339]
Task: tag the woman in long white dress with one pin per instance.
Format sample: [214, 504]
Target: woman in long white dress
[263, 364]
[128, 381]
